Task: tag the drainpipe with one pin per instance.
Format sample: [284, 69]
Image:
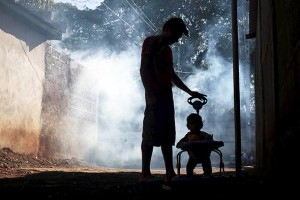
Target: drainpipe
[237, 119]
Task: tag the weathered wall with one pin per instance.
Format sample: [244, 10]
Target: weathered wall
[69, 113]
[21, 77]
[43, 112]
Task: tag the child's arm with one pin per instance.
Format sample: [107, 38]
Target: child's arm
[182, 141]
[207, 136]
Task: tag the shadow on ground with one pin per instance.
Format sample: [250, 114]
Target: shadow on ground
[125, 185]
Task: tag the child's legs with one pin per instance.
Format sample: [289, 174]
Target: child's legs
[206, 165]
[190, 166]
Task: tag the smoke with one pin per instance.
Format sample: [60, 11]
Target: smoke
[115, 78]
[217, 84]
[82, 4]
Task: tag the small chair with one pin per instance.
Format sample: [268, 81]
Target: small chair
[212, 145]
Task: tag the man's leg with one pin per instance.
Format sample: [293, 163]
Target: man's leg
[146, 160]
[167, 152]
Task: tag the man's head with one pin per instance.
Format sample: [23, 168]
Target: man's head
[176, 24]
[173, 30]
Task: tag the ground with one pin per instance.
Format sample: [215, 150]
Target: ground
[28, 177]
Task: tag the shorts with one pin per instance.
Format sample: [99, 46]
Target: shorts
[159, 122]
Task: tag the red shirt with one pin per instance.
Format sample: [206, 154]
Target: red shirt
[159, 71]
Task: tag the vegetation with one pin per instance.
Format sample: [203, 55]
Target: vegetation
[118, 25]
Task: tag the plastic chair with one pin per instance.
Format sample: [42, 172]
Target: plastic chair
[213, 146]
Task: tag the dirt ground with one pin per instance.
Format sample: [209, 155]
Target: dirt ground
[27, 177]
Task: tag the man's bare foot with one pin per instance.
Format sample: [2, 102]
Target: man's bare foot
[169, 177]
[145, 178]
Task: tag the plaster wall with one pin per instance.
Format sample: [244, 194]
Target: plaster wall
[21, 86]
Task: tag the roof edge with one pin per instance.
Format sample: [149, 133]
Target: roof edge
[23, 14]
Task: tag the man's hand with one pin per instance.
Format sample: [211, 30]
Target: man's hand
[198, 95]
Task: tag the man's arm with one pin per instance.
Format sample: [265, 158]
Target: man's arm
[145, 74]
[179, 83]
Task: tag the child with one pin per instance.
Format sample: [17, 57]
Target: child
[196, 155]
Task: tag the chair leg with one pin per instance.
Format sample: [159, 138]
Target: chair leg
[178, 165]
[221, 165]
[221, 160]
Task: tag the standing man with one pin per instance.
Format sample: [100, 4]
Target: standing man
[158, 77]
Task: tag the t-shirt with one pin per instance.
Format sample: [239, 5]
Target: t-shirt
[160, 70]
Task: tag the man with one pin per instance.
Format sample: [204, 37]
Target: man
[158, 77]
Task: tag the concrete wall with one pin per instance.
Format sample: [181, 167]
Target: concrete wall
[43, 111]
[69, 114]
[21, 76]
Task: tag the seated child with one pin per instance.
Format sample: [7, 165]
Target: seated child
[196, 155]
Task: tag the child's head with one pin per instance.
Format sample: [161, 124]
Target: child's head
[194, 122]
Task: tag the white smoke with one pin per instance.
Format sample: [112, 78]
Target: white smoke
[82, 4]
[116, 79]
